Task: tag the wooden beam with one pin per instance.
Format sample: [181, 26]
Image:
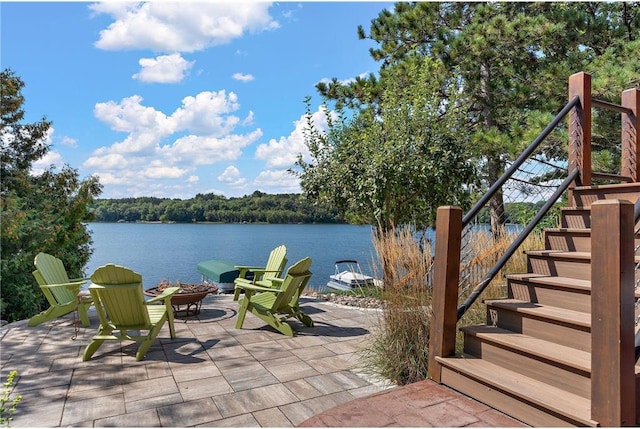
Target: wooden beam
[444, 302]
[630, 140]
[612, 313]
[580, 130]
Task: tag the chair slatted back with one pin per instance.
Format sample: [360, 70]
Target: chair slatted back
[49, 271]
[117, 292]
[297, 275]
[276, 262]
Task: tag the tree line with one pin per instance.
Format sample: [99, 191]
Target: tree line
[258, 207]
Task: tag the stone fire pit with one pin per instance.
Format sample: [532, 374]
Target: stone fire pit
[188, 300]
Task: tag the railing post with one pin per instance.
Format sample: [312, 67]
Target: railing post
[630, 141]
[612, 313]
[444, 301]
[580, 130]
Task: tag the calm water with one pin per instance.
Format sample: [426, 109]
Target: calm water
[172, 251]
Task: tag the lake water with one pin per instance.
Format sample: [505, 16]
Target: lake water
[172, 251]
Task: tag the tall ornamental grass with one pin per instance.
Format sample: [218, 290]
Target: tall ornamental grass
[400, 344]
[399, 347]
[485, 250]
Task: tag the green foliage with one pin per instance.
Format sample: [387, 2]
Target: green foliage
[391, 164]
[43, 213]
[512, 61]
[255, 208]
[7, 411]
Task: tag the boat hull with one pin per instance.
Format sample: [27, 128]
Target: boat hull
[348, 281]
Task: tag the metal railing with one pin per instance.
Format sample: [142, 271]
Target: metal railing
[537, 169]
[537, 173]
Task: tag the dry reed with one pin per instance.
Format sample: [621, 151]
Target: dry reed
[399, 348]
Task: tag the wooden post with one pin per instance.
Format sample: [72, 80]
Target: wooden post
[580, 130]
[630, 141]
[612, 313]
[444, 302]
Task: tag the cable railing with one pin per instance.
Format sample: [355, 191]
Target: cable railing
[532, 188]
[536, 181]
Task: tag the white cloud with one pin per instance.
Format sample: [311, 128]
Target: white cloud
[51, 158]
[284, 152]
[231, 176]
[130, 116]
[202, 150]
[109, 161]
[163, 172]
[206, 113]
[69, 142]
[163, 69]
[180, 26]
[243, 77]
[202, 131]
[282, 180]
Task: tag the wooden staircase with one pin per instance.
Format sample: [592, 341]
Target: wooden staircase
[532, 360]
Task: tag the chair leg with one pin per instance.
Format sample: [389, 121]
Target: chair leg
[50, 314]
[144, 348]
[242, 312]
[308, 321]
[83, 308]
[172, 328]
[91, 349]
[38, 319]
[275, 322]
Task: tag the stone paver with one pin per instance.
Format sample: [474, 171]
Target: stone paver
[213, 375]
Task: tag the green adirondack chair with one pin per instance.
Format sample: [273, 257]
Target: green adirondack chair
[120, 304]
[274, 304]
[263, 276]
[62, 293]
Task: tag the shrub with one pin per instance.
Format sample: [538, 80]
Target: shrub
[7, 405]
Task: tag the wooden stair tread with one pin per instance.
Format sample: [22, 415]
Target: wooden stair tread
[565, 254]
[543, 311]
[565, 282]
[560, 254]
[611, 186]
[570, 230]
[557, 281]
[540, 348]
[522, 387]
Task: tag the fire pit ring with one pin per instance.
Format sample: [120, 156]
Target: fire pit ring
[188, 300]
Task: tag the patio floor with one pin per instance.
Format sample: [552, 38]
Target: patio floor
[215, 375]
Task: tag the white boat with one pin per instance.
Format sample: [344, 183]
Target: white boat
[350, 276]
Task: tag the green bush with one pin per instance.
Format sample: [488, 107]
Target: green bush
[7, 405]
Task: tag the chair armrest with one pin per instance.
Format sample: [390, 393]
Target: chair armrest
[167, 293]
[248, 267]
[70, 285]
[80, 279]
[251, 287]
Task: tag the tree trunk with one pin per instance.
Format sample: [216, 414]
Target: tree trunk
[494, 163]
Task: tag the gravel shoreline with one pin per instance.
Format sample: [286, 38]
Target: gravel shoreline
[349, 300]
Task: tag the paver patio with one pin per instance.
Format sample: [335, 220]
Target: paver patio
[215, 375]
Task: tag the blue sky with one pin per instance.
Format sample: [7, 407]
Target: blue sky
[173, 99]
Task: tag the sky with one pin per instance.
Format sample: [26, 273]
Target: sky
[164, 99]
